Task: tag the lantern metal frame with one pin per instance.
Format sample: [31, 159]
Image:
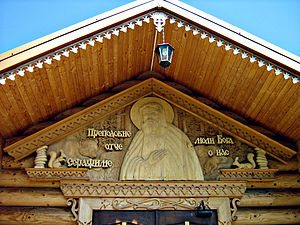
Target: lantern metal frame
[164, 52]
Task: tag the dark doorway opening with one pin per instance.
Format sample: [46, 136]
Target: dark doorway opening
[154, 217]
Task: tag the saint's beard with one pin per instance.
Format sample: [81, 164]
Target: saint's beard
[153, 136]
[152, 127]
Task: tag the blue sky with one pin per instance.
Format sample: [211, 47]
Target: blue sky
[22, 21]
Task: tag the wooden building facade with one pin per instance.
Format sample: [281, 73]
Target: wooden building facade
[95, 131]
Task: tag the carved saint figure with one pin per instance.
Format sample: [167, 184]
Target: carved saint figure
[159, 150]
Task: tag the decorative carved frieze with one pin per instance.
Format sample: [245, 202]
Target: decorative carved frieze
[74, 189]
[248, 174]
[56, 174]
[151, 203]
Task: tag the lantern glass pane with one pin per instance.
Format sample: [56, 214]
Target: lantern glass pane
[170, 55]
[164, 53]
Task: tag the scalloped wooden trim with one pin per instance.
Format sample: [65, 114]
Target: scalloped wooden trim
[50, 174]
[116, 102]
[248, 174]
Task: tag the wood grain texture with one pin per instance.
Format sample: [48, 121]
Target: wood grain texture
[114, 103]
[43, 197]
[35, 215]
[281, 181]
[267, 216]
[19, 178]
[219, 75]
[270, 197]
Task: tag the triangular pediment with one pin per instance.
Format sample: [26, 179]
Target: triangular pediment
[149, 87]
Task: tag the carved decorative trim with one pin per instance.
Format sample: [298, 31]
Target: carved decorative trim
[151, 203]
[74, 208]
[114, 103]
[248, 174]
[159, 20]
[82, 119]
[87, 205]
[221, 121]
[57, 174]
[74, 189]
[234, 202]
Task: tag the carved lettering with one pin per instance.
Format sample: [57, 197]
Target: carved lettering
[111, 147]
[224, 140]
[219, 152]
[89, 163]
[222, 152]
[205, 141]
[93, 133]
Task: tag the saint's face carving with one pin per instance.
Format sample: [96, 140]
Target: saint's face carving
[159, 151]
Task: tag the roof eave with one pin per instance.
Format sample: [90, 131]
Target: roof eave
[74, 33]
[233, 33]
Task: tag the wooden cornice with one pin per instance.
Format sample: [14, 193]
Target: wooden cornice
[151, 86]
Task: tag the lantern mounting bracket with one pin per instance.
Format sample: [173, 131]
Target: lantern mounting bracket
[159, 19]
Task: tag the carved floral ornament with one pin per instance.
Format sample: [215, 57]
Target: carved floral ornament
[159, 20]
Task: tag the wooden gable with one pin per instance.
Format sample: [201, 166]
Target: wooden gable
[223, 63]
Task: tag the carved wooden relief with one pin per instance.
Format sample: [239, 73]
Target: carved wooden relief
[115, 148]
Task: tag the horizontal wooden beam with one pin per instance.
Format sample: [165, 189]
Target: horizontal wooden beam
[281, 181]
[32, 197]
[8, 162]
[267, 216]
[47, 216]
[271, 197]
[19, 178]
[53, 197]
[32, 215]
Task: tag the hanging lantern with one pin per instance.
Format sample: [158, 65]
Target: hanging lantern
[164, 53]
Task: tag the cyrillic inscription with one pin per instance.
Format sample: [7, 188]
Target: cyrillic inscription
[93, 133]
[219, 139]
[89, 163]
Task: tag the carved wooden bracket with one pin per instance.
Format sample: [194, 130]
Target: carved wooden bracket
[152, 86]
